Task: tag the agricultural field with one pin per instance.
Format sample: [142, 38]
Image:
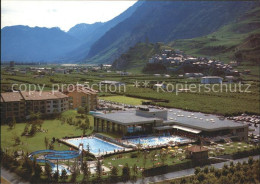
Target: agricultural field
[231, 102]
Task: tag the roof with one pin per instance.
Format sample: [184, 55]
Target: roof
[211, 77]
[44, 95]
[11, 97]
[82, 89]
[126, 118]
[197, 148]
[201, 121]
[186, 129]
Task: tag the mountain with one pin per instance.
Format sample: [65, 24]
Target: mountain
[83, 31]
[23, 43]
[136, 57]
[165, 21]
[238, 40]
[90, 33]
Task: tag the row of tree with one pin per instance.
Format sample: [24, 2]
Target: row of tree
[240, 173]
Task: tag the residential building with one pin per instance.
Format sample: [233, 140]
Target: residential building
[80, 96]
[21, 104]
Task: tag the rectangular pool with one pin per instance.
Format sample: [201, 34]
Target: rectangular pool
[96, 146]
[161, 140]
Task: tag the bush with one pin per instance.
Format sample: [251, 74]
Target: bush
[134, 155]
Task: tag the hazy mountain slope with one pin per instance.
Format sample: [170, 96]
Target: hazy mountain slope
[23, 43]
[136, 57]
[165, 21]
[239, 40]
[90, 33]
[83, 31]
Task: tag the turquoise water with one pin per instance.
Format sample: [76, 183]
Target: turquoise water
[152, 141]
[95, 112]
[60, 168]
[95, 145]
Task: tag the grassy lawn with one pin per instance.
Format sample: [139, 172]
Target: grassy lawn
[124, 100]
[54, 129]
[229, 148]
[153, 159]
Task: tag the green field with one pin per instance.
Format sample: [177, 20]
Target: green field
[54, 129]
[228, 43]
[124, 100]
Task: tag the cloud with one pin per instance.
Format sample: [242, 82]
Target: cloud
[63, 14]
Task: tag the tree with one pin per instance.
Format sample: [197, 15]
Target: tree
[28, 167]
[37, 173]
[87, 122]
[48, 171]
[64, 175]
[114, 174]
[17, 140]
[86, 172]
[206, 170]
[126, 173]
[33, 130]
[12, 123]
[145, 158]
[86, 110]
[51, 146]
[250, 161]
[163, 157]
[135, 169]
[201, 176]
[99, 169]
[81, 110]
[197, 170]
[46, 142]
[26, 129]
[56, 176]
[73, 176]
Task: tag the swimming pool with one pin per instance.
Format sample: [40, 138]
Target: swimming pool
[152, 141]
[95, 145]
[60, 168]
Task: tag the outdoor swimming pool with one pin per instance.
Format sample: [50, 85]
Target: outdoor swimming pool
[95, 145]
[152, 141]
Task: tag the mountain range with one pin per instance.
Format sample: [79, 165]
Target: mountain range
[145, 21]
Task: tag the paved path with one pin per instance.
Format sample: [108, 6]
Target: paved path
[11, 177]
[181, 173]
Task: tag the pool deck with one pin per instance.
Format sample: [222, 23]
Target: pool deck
[160, 145]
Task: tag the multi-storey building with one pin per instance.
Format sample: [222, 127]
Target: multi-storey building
[21, 104]
[82, 96]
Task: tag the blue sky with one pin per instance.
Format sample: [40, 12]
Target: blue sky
[59, 13]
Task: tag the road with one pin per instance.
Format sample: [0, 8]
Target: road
[11, 177]
[181, 173]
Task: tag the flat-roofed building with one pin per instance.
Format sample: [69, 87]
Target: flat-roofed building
[176, 121]
[80, 96]
[21, 104]
[211, 80]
